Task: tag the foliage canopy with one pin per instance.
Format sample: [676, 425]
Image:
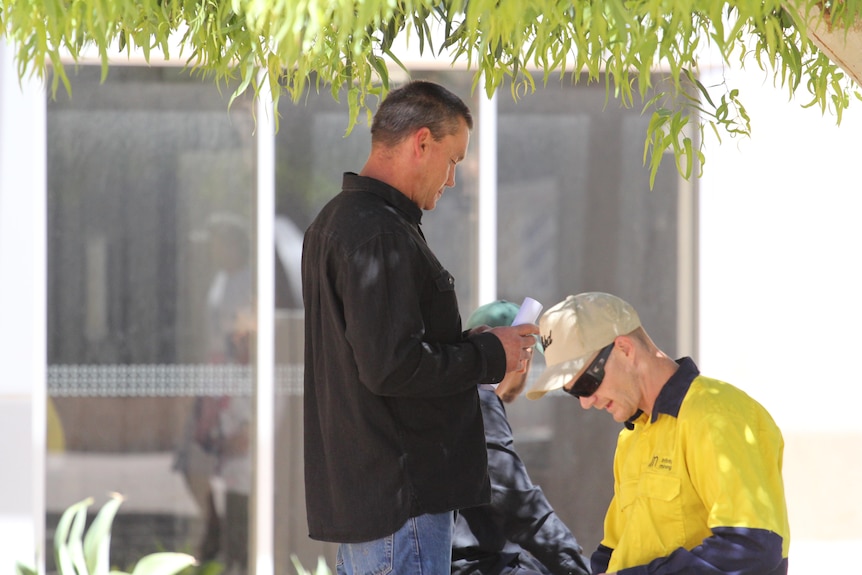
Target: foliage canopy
[296, 45]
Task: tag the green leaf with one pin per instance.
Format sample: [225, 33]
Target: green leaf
[64, 536]
[97, 542]
[163, 564]
[339, 44]
[21, 569]
[76, 541]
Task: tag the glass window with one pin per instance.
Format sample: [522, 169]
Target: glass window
[151, 206]
[150, 200]
[151, 187]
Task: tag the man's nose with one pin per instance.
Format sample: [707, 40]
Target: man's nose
[450, 182]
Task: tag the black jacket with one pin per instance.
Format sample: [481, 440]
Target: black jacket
[393, 427]
[488, 539]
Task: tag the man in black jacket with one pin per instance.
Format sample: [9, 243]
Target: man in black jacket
[393, 429]
[518, 533]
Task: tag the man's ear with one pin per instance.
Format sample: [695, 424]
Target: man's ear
[624, 344]
[421, 139]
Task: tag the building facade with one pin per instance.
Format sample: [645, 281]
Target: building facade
[145, 223]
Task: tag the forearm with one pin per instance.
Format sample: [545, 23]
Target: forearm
[532, 523]
[739, 551]
[555, 546]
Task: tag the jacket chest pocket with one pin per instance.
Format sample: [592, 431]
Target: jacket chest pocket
[654, 503]
[650, 522]
[664, 488]
[440, 309]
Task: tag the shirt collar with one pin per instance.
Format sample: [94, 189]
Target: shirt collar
[355, 183]
[630, 422]
[671, 395]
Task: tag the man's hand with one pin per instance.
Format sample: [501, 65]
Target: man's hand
[517, 341]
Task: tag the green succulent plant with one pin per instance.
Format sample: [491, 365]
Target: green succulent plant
[80, 551]
[86, 551]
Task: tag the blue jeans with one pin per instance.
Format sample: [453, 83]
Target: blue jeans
[423, 546]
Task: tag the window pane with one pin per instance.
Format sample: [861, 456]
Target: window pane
[151, 190]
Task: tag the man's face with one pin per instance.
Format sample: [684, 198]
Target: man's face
[440, 157]
[618, 394]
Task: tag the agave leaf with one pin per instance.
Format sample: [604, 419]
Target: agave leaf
[21, 569]
[76, 541]
[163, 564]
[62, 553]
[97, 542]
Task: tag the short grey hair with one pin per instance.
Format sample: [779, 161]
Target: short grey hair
[419, 104]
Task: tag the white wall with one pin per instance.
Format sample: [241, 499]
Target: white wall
[781, 301]
[22, 317]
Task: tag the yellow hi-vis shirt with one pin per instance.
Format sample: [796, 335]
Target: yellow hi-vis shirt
[710, 456]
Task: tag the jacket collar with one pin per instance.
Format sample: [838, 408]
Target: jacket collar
[353, 182]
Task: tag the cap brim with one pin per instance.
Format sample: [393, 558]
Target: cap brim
[556, 376]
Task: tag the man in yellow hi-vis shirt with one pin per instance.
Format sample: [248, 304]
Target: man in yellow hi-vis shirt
[697, 470]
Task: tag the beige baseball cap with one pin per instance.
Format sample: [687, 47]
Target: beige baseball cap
[573, 332]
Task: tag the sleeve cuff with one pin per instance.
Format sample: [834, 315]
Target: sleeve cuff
[491, 349]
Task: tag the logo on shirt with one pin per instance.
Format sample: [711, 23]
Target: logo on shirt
[664, 463]
[547, 341]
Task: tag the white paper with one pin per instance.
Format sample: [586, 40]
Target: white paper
[528, 312]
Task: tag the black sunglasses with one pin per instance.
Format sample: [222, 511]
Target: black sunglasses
[591, 379]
